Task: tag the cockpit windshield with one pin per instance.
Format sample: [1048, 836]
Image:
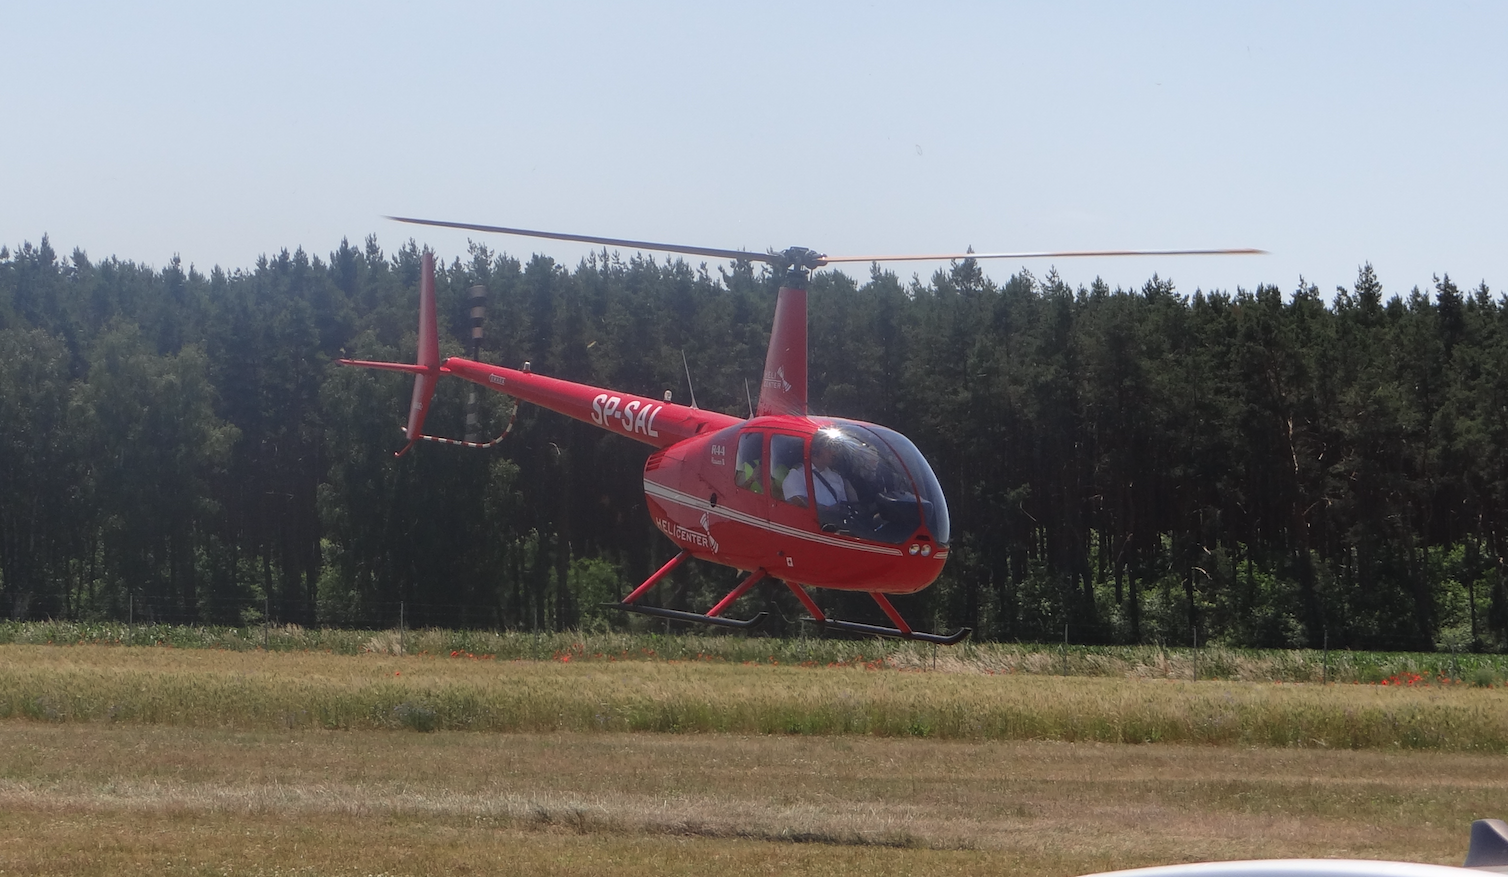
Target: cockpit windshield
[892, 488]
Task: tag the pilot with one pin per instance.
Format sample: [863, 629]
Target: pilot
[830, 485]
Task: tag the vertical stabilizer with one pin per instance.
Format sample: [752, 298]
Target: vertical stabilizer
[783, 389]
[429, 353]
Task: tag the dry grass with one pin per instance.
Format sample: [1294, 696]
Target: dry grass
[123, 800]
[254, 690]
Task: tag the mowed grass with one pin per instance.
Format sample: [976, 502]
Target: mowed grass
[250, 690]
[130, 799]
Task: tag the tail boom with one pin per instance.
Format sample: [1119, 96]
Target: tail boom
[651, 421]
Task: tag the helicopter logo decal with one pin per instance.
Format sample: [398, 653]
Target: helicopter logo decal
[685, 534]
[777, 381]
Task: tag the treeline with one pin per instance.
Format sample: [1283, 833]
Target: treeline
[1259, 468]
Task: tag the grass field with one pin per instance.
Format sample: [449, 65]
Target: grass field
[124, 760]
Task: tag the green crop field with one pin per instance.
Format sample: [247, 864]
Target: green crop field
[1209, 663]
[592, 755]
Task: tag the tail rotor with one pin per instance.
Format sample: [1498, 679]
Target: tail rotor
[478, 315]
[473, 404]
[426, 370]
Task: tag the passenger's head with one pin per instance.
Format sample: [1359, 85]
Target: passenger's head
[865, 458]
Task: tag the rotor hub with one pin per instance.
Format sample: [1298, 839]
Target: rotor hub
[797, 262]
[800, 257]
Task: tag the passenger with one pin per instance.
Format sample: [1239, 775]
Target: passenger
[746, 472]
[748, 476]
[869, 481]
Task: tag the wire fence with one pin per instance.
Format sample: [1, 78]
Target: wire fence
[544, 614]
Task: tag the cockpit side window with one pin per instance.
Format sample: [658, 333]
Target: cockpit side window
[748, 471]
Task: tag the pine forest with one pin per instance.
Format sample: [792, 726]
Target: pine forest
[1267, 468]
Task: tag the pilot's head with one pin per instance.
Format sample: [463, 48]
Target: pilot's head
[824, 449]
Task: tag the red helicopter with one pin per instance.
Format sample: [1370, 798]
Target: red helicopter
[816, 502]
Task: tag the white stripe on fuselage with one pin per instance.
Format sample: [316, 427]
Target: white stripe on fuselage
[699, 504]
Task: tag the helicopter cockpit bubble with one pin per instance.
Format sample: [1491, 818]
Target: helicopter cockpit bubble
[896, 489]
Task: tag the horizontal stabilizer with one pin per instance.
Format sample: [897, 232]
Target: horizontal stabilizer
[389, 366]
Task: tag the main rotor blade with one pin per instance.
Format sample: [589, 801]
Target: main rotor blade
[592, 239]
[949, 257]
[810, 259]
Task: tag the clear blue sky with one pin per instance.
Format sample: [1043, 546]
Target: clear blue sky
[1331, 134]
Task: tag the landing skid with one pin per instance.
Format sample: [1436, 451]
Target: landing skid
[902, 630]
[677, 615]
[951, 639]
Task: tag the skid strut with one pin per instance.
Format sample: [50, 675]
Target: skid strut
[713, 616]
[902, 630]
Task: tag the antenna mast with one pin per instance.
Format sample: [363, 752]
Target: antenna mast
[690, 389]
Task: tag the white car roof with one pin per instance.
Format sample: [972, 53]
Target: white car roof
[1299, 868]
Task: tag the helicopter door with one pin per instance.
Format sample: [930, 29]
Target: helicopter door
[742, 516]
[789, 486]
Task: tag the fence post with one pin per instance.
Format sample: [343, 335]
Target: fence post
[1196, 654]
[1325, 673]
